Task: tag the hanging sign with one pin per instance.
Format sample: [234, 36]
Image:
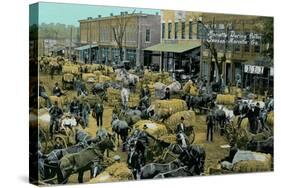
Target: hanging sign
[252, 69]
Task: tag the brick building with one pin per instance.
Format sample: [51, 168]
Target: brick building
[140, 31]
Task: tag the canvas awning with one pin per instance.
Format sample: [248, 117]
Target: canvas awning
[176, 48]
[86, 47]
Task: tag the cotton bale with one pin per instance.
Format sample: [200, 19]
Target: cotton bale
[189, 119]
[155, 129]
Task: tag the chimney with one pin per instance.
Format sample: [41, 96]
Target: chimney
[89, 18]
[121, 13]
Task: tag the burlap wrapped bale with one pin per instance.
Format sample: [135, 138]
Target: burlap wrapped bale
[115, 172]
[186, 87]
[175, 119]
[194, 90]
[97, 73]
[225, 99]
[170, 138]
[134, 100]
[254, 165]
[103, 78]
[68, 77]
[74, 69]
[155, 129]
[113, 96]
[157, 77]
[238, 93]
[165, 108]
[244, 124]
[270, 118]
[88, 77]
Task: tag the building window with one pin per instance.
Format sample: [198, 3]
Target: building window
[190, 29]
[199, 30]
[163, 30]
[237, 48]
[258, 47]
[183, 30]
[176, 29]
[147, 35]
[247, 46]
[169, 30]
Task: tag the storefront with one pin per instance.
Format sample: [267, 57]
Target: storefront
[184, 57]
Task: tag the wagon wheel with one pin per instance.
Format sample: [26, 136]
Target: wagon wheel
[43, 138]
[61, 140]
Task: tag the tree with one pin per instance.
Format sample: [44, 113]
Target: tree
[119, 29]
[213, 49]
[267, 37]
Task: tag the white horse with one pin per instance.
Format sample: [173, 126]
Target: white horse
[125, 97]
[125, 77]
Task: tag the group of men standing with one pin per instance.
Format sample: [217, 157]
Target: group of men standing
[79, 110]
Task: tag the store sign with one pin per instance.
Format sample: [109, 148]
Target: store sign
[233, 37]
[252, 69]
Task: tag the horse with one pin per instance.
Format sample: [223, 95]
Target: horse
[120, 128]
[125, 97]
[87, 159]
[52, 159]
[131, 116]
[220, 118]
[152, 169]
[126, 78]
[199, 102]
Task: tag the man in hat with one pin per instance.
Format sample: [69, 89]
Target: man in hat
[75, 107]
[252, 119]
[86, 110]
[210, 120]
[98, 113]
[143, 138]
[181, 126]
[55, 113]
[167, 94]
[57, 91]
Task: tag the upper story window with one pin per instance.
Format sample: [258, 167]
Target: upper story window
[183, 30]
[169, 30]
[190, 29]
[147, 35]
[176, 29]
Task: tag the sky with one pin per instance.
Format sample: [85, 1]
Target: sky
[69, 14]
